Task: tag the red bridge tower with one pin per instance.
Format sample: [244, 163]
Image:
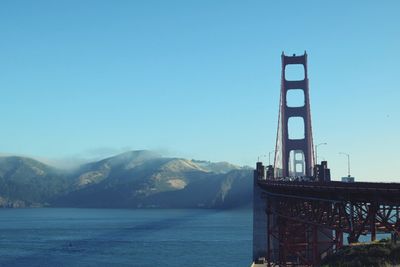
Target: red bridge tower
[294, 157]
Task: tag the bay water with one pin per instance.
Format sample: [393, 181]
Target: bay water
[122, 237]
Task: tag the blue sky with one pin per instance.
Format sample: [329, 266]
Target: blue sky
[198, 79]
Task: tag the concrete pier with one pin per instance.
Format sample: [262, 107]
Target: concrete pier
[259, 216]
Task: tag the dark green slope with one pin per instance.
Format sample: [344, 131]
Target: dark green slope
[27, 182]
[379, 254]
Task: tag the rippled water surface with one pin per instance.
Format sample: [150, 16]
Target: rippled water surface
[105, 237]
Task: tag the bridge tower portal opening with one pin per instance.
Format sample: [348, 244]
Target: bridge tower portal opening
[286, 162]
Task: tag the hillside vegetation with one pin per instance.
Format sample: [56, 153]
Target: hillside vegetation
[135, 179]
[379, 254]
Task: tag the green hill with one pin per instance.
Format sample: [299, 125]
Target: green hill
[129, 180]
[27, 182]
[379, 254]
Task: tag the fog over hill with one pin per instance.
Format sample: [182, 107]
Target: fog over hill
[134, 179]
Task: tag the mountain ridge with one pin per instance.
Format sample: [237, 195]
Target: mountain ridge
[134, 179]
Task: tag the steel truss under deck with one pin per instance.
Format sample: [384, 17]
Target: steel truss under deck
[311, 226]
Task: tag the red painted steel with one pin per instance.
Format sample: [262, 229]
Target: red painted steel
[284, 145]
[352, 208]
[306, 220]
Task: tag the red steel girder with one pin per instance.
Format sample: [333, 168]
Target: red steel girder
[302, 218]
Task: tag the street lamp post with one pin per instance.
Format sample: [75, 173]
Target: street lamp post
[316, 151]
[258, 158]
[348, 162]
[269, 156]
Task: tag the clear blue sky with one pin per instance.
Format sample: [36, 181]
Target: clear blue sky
[199, 79]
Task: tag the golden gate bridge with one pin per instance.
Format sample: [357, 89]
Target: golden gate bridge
[299, 215]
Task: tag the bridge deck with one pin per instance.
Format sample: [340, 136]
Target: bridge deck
[385, 193]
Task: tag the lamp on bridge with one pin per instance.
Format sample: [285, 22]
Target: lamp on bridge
[261, 156]
[321, 171]
[349, 178]
[316, 151]
[269, 156]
